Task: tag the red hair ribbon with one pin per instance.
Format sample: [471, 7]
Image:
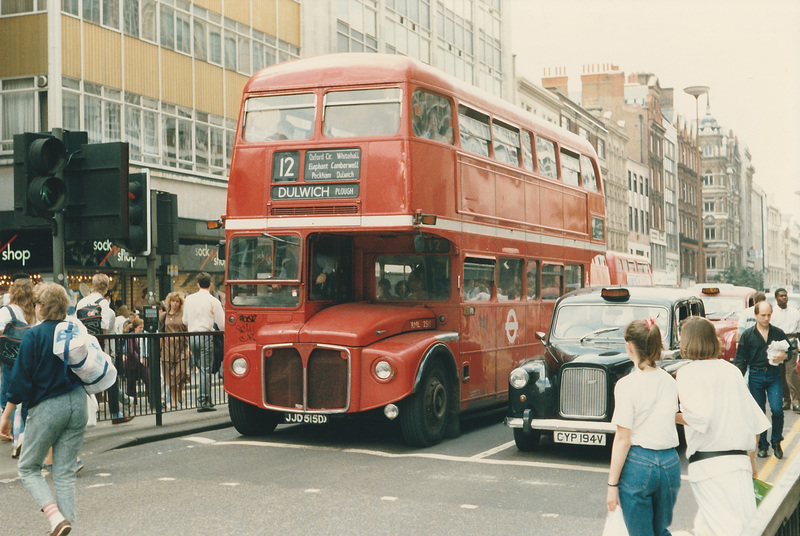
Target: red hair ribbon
[649, 323]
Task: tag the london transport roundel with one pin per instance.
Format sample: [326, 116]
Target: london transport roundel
[512, 326]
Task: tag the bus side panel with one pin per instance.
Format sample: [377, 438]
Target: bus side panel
[510, 197]
[551, 206]
[248, 185]
[384, 188]
[479, 351]
[477, 189]
[575, 212]
[432, 173]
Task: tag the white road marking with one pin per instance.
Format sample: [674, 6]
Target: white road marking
[469, 506]
[100, 485]
[388, 498]
[231, 484]
[492, 452]
[312, 490]
[198, 439]
[167, 479]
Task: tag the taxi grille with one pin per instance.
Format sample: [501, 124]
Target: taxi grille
[583, 393]
[327, 380]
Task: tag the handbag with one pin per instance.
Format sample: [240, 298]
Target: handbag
[11, 337]
[219, 350]
[83, 355]
[615, 523]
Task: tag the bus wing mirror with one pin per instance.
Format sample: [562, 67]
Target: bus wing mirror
[221, 252]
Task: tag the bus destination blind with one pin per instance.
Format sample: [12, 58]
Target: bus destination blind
[331, 165]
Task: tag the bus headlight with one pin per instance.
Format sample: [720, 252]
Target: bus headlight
[518, 378]
[239, 366]
[383, 370]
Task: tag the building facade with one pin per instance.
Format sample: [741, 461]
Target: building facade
[692, 267]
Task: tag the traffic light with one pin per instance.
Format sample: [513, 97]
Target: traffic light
[39, 188]
[138, 236]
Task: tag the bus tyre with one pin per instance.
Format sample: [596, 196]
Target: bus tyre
[526, 442]
[250, 420]
[423, 419]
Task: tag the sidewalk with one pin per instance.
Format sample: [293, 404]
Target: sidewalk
[106, 436]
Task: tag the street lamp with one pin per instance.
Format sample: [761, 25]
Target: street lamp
[696, 91]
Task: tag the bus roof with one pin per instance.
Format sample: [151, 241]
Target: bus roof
[348, 69]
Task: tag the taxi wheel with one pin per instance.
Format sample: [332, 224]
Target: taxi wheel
[526, 442]
[423, 418]
[250, 420]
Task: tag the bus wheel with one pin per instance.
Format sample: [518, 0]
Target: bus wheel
[526, 442]
[250, 420]
[424, 415]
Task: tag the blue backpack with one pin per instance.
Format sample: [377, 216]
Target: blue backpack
[11, 337]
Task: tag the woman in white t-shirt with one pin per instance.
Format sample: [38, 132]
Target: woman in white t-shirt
[645, 472]
[722, 421]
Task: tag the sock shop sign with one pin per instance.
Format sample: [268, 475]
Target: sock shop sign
[24, 250]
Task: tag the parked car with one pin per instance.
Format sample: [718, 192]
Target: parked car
[568, 392]
[724, 303]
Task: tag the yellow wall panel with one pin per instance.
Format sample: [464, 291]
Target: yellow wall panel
[238, 10]
[211, 5]
[102, 56]
[23, 45]
[70, 47]
[234, 85]
[264, 16]
[209, 88]
[176, 72]
[289, 17]
[141, 67]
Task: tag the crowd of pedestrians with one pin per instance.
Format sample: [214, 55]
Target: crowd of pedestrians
[722, 407]
[44, 410]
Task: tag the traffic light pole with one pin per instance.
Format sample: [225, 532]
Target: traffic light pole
[59, 264]
[59, 244]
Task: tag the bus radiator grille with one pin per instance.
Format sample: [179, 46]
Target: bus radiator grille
[327, 380]
[314, 211]
[283, 378]
[583, 393]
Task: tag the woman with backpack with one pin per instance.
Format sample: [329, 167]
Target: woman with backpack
[19, 311]
[57, 411]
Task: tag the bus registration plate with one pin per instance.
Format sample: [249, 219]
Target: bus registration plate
[579, 438]
[304, 418]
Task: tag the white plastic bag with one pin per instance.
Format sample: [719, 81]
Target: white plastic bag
[91, 407]
[84, 356]
[615, 524]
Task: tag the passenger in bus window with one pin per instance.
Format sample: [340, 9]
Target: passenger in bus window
[401, 290]
[416, 287]
[324, 276]
[384, 289]
[284, 130]
[478, 290]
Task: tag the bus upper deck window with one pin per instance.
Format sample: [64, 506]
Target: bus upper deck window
[527, 151]
[430, 117]
[546, 157]
[279, 117]
[474, 131]
[362, 112]
[587, 174]
[570, 168]
[506, 144]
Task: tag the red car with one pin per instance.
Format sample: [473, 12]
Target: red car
[723, 303]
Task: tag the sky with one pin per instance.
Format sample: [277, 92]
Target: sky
[746, 51]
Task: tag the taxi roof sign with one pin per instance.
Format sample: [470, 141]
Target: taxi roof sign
[615, 294]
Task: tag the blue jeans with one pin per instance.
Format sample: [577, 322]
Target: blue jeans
[5, 382]
[203, 353]
[59, 422]
[648, 489]
[767, 386]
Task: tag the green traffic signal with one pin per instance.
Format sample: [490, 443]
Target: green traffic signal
[47, 194]
[39, 187]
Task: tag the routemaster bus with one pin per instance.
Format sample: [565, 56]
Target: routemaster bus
[617, 268]
[395, 239]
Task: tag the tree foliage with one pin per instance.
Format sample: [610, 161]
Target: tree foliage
[743, 277]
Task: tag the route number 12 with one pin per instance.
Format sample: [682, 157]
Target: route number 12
[286, 166]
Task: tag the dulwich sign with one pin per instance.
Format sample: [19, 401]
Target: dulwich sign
[326, 165]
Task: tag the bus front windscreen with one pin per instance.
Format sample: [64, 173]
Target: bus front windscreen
[263, 270]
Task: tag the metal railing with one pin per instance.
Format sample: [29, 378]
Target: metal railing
[160, 372]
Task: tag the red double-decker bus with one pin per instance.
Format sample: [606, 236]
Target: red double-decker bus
[394, 240]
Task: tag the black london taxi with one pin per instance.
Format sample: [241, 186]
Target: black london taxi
[568, 392]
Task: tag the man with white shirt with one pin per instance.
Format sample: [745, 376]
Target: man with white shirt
[203, 312]
[787, 318]
[100, 285]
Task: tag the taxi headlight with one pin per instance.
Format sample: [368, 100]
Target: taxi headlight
[383, 370]
[239, 366]
[518, 378]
